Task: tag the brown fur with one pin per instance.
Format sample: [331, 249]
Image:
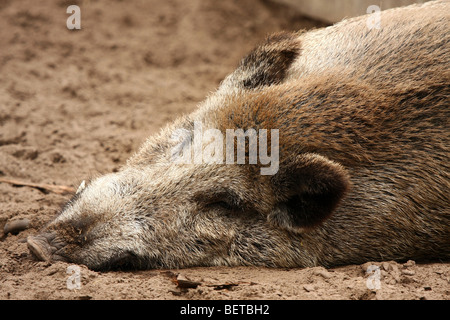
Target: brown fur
[364, 170]
[268, 63]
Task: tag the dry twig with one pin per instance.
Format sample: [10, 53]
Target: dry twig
[41, 186]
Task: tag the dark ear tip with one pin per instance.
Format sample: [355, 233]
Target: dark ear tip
[312, 187]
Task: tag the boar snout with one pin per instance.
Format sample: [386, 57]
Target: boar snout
[45, 246]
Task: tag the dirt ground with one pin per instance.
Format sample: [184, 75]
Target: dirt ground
[77, 103]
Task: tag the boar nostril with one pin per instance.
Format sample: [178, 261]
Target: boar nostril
[46, 246]
[39, 247]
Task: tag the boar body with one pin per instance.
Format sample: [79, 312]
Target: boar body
[363, 171]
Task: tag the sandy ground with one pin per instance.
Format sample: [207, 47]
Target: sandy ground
[76, 104]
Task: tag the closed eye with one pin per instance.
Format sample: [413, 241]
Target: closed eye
[221, 204]
[219, 199]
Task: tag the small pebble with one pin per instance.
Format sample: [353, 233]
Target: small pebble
[14, 227]
[394, 268]
[408, 272]
[309, 287]
[366, 265]
[323, 273]
[183, 282]
[386, 266]
[410, 263]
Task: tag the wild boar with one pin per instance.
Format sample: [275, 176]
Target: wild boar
[350, 124]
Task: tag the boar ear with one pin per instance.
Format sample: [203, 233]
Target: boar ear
[307, 189]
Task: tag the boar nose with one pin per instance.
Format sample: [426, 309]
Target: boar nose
[44, 246]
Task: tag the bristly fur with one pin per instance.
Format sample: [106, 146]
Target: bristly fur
[364, 171]
[268, 63]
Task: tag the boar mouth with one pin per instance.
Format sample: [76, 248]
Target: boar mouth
[124, 261]
[45, 247]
